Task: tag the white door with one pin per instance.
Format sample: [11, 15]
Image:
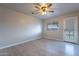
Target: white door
[71, 29]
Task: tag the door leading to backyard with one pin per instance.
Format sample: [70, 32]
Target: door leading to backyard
[71, 29]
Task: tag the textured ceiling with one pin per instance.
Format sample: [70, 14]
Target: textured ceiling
[27, 8]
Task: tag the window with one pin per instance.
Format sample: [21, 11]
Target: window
[53, 26]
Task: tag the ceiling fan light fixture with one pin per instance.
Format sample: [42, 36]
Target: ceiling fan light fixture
[44, 8]
[43, 13]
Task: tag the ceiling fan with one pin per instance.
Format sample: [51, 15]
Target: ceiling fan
[43, 8]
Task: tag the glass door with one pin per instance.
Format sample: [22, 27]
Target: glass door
[69, 36]
[71, 29]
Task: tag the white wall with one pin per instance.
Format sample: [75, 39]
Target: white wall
[16, 27]
[57, 35]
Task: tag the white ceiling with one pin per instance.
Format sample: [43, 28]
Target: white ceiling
[27, 8]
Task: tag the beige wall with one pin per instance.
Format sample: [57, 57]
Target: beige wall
[16, 27]
[57, 35]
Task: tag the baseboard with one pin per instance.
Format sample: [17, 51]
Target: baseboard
[7, 46]
[72, 42]
[62, 41]
[54, 39]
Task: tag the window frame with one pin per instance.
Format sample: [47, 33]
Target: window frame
[54, 24]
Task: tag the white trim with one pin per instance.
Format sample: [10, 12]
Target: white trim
[18, 43]
[75, 27]
[60, 40]
[54, 39]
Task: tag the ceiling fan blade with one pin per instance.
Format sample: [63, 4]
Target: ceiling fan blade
[32, 12]
[37, 7]
[35, 13]
[51, 11]
[49, 5]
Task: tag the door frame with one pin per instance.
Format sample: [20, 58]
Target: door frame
[75, 30]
